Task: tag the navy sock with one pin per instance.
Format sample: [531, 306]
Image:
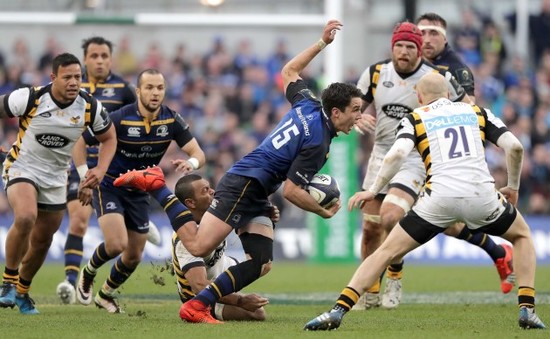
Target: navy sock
[484, 241]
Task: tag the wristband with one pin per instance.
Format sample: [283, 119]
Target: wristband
[194, 163]
[82, 170]
[321, 44]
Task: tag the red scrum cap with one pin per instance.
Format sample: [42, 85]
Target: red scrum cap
[409, 32]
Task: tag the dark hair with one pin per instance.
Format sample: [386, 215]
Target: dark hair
[98, 41]
[433, 17]
[339, 95]
[184, 188]
[64, 59]
[147, 71]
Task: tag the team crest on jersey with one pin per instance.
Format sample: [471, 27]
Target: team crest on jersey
[133, 132]
[52, 140]
[396, 111]
[463, 75]
[75, 120]
[108, 92]
[162, 131]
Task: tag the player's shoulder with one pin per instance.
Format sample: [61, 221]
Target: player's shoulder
[426, 66]
[114, 78]
[126, 111]
[86, 96]
[451, 58]
[380, 65]
[165, 110]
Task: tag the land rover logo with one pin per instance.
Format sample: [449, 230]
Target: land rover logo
[52, 140]
[396, 111]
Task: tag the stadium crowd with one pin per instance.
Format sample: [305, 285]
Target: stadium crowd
[232, 97]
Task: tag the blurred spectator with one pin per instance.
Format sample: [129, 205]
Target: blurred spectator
[217, 59]
[540, 134]
[488, 87]
[539, 29]
[154, 58]
[467, 48]
[467, 33]
[124, 61]
[517, 70]
[181, 58]
[543, 78]
[492, 44]
[245, 57]
[277, 60]
[51, 49]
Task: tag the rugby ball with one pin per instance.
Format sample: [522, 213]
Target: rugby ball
[324, 189]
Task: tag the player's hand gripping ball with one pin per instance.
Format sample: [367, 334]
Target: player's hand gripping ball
[324, 189]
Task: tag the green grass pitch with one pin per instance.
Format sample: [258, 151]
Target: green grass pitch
[438, 302]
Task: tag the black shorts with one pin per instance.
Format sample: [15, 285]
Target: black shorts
[133, 205]
[422, 231]
[238, 200]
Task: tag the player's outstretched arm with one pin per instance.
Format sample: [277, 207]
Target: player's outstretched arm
[291, 71]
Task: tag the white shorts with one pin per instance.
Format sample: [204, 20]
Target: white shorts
[475, 212]
[52, 191]
[411, 175]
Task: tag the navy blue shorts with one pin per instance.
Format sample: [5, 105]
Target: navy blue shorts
[133, 205]
[72, 184]
[238, 200]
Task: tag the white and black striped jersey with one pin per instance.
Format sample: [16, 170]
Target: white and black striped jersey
[450, 137]
[49, 129]
[394, 95]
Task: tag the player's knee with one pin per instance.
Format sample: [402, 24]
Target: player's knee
[371, 226]
[391, 216]
[24, 221]
[260, 250]
[78, 228]
[371, 220]
[114, 248]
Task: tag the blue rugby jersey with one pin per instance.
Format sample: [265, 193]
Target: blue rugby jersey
[296, 149]
[140, 144]
[448, 60]
[113, 93]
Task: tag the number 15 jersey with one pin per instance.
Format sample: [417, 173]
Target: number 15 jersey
[296, 149]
